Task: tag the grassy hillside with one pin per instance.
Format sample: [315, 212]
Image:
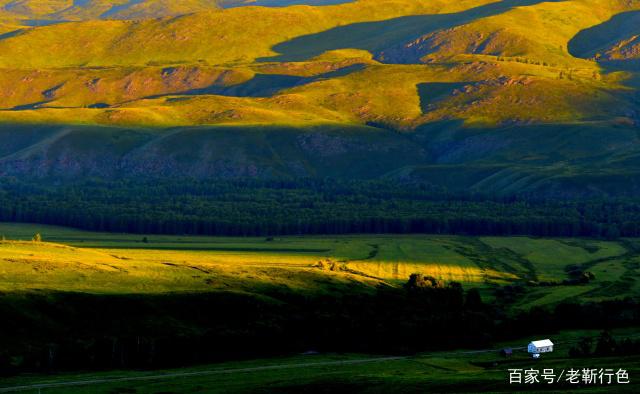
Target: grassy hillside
[346, 63]
[64, 10]
[176, 40]
[68, 10]
[501, 96]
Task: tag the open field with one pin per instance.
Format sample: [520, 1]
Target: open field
[79, 261]
[455, 371]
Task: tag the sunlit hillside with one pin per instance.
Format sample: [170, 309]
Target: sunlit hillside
[43, 11]
[396, 62]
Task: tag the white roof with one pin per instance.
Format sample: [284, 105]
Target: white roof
[542, 343]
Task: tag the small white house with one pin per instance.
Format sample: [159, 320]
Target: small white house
[543, 346]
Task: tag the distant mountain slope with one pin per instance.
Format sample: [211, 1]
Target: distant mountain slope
[102, 9]
[548, 161]
[34, 8]
[76, 10]
[236, 35]
[278, 3]
[508, 71]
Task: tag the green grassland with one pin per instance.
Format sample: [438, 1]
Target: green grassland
[457, 371]
[78, 261]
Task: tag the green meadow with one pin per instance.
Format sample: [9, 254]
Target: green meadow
[107, 263]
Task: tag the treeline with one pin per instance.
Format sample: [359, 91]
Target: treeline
[58, 331]
[264, 208]
[571, 315]
[605, 346]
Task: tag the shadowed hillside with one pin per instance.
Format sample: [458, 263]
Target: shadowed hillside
[550, 160]
[614, 43]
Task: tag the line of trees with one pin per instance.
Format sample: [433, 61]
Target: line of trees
[264, 208]
[605, 346]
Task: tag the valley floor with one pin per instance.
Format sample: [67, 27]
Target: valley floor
[105, 263]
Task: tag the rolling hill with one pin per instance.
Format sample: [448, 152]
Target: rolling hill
[48, 11]
[139, 67]
[454, 86]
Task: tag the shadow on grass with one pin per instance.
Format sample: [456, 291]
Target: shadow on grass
[588, 42]
[433, 92]
[268, 85]
[30, 106]
[378, 36]
[592, 43]
[11, 34]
